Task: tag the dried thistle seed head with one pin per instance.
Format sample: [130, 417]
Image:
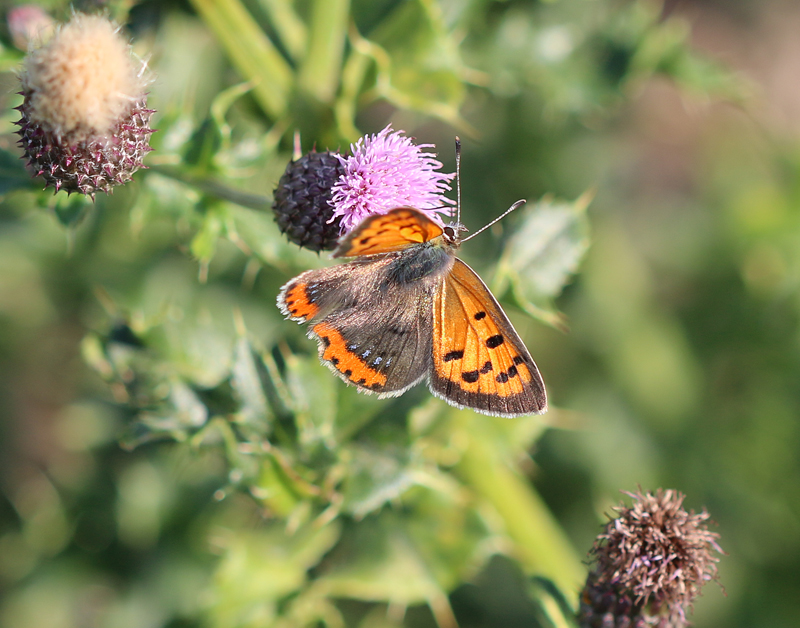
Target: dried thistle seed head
[302, 201]
[83, 80]
[650, 564]
[85, 126]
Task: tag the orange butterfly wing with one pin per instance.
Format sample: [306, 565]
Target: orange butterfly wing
[479, 360]
[396, 230]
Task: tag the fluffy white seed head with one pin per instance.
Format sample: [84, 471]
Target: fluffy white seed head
[83, 80]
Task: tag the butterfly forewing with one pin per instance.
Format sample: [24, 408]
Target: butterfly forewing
[479, 360]
[396, 230]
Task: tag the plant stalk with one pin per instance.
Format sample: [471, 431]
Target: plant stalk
[542, 546]
[251, 51]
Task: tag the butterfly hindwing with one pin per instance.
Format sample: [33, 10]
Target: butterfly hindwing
[479, 360]
[396, 230]
[373, 331]
[386, 361]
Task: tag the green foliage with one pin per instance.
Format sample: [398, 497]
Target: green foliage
[542, 255]
[252, 488]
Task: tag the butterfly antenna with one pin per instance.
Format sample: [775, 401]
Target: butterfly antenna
[519, 203]
[458, 180]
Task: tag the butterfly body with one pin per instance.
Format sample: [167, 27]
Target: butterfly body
[405, 309]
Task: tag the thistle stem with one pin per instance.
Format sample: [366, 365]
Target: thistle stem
[542, 546]
[214, 188]
[322, 65]
[251, 51]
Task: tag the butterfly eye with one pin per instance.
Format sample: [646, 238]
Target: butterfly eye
[449, 233]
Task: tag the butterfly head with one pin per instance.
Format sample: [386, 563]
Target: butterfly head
[451, 234]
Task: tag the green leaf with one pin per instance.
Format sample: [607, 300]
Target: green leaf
[188, 410]
[375, 477]
[246, 383]
[258, 230]
[543, 253]
[448, 532]
[313, 391]
[274, 488]
[418, 61]
[541, 544]
[552, 606]
[203, 146]
[178, 415]
[355, 411]
[222, 103]
[205, 240]
[664, 47]
[260, 567]
[190, 326]
[13, 175]
[378, 561]
[71, 209]
[405, 558]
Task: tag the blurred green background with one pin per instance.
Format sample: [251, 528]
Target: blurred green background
[172, 453]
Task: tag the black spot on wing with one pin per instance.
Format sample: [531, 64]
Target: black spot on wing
[470, 376]
[480, 315]
[486, 367]
[506, 375]
[453, 355]
[495, 341]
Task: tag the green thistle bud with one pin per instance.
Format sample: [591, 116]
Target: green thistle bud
[85, 126]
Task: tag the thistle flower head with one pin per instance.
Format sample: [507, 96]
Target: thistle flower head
[385, 171]
[649, 564]
[85, 125]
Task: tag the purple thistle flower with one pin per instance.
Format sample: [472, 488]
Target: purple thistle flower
[385, 171]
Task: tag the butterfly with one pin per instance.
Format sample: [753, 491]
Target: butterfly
[404, 309]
